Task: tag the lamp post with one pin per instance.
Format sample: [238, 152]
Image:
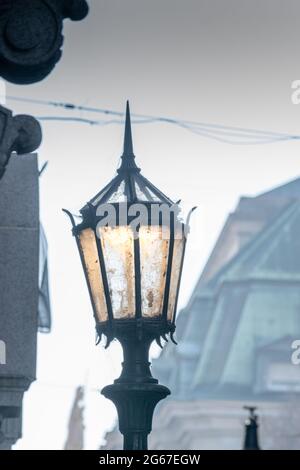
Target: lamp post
[251, 430]
[131, 241]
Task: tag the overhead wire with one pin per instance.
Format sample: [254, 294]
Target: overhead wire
[218, 132]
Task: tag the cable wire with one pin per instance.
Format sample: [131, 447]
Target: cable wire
[217, 132]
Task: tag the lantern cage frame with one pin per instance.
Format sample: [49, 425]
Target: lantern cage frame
[135, 393]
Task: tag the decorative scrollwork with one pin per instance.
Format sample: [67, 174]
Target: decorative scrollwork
[20, 133]
[31, 36]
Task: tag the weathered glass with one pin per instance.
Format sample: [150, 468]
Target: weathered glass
[154, 249]
[88, 245]
[118, 252]
[178, 252]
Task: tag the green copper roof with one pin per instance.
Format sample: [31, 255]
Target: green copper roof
[252, 308]
[272, 254]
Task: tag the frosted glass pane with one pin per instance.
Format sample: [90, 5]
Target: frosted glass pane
[140, 194]
[95, 201]
[154, 250]
[119, 194]
[176, 267]
[118, 251]
[87, 241]
[153, 196]
[145, 194]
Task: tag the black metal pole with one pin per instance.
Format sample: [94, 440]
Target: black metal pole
[251, 430]
[135, 393]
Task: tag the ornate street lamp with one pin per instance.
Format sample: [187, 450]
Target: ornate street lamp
[251, 430]
[131, 242]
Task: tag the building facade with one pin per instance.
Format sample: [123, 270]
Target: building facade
[235, 336]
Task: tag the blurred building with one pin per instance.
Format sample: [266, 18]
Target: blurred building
[235, 336]
[75, 437]
[24, 293]
[31, 45]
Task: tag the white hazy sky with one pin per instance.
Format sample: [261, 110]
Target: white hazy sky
[222, 62]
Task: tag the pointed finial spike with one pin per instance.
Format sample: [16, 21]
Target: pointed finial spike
[128, 163]
[128, 147]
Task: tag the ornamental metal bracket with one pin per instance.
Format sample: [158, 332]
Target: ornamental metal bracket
[20, 133]
[31, 36]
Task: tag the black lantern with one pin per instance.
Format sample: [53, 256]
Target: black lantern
[131, 243]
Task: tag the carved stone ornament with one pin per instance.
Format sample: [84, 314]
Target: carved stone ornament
[31, 36]
[20, 133]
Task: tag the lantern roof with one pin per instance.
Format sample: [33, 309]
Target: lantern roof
[129, 185]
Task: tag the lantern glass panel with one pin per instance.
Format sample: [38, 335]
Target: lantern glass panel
[118, 252]
[178, 252]
[145, 194]
[119, 194]
[141, 196]
[88, 245]
[154, 250]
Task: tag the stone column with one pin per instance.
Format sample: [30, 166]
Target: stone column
[19, 257]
